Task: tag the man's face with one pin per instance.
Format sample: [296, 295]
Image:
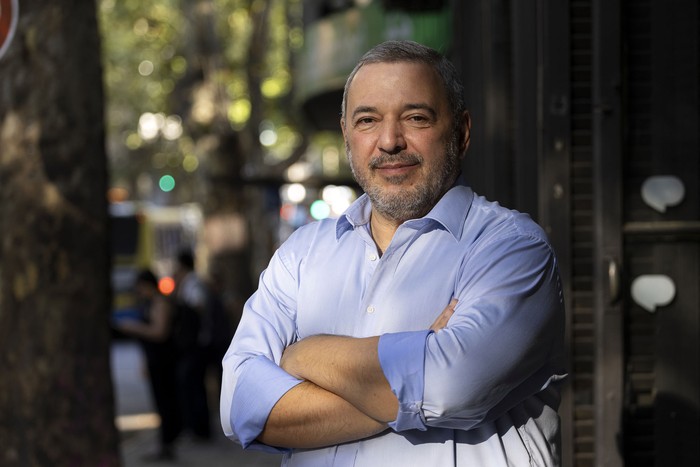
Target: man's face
[400, 138]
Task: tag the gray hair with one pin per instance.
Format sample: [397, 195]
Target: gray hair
[409, 51]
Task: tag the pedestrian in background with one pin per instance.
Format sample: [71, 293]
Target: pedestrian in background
[154, 330]
[189, 328]
[217, 331]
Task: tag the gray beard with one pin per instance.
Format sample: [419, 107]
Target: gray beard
[417, 201]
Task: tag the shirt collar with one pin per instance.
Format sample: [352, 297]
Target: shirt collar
[450, 211]
[357, 214]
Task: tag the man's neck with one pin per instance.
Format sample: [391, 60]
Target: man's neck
[382, 230]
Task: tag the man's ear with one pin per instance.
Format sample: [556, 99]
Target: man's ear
[466, 132]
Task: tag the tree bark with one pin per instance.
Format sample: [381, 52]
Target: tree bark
[56, 400]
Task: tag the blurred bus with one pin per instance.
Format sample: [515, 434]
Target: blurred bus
[148, 236]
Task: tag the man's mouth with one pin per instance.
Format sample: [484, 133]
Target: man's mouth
[396, 165]
[392, 165]
[395, 170]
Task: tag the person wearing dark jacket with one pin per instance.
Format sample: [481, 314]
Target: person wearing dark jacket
[154, 332]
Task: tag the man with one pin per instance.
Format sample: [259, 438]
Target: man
[189, 325]
[153, 329]
[343, 356]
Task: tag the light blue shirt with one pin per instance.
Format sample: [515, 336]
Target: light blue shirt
[481, 392]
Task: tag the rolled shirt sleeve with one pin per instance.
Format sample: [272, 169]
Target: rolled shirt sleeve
[402, 357]
[260, 385]
[252, 380]
[500, 347]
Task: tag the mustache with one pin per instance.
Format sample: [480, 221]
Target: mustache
[401, 158]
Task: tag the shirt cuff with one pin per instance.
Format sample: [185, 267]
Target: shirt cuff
[402, 358]
[260, 385]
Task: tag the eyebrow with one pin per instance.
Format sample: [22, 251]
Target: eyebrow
[421, 106]
[417, 106]
[363, 109]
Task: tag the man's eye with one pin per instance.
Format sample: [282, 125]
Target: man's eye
[364, 121]
[418, 118]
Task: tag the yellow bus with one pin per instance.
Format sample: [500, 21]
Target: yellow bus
[148, 236]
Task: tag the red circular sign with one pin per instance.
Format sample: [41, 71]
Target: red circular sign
[9, 12]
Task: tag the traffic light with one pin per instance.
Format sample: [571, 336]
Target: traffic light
[166, 183]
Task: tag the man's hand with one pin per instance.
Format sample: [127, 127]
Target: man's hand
[311, 416]
[308, 416]
[346, 366]
[441, 321]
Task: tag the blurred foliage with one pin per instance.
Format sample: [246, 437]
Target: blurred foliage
[183, 78]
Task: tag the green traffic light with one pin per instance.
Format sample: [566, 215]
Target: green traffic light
[320, 209]
[166, 183]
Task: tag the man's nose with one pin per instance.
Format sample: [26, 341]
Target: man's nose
[391, 139]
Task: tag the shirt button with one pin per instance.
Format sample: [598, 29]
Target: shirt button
[373, 257]
[370, 309]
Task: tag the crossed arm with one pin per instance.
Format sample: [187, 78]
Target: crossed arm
[344, 397]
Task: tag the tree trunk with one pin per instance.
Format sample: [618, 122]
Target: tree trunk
[56, 401]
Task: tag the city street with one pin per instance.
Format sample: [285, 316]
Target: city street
[138, 422]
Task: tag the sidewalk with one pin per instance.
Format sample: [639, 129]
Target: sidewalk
[138, 423]
[218, 452]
